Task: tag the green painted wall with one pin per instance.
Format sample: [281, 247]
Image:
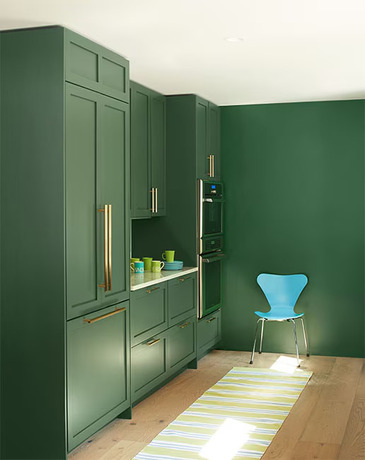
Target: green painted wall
[294, 181]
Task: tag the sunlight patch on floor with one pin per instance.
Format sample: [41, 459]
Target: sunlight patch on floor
[227, 440]
[286, 364]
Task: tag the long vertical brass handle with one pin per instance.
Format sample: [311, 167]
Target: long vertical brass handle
[110, 245]
[210, 166]
[153, 199]
[156, 208]
[105, 211]
[213, 165]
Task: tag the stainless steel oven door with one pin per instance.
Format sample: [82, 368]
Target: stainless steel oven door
[210, 283]
[212, 213]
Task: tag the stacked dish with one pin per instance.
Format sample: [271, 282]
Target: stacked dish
[175, 265]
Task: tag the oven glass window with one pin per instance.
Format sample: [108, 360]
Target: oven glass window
[212, 217]
[211, 286]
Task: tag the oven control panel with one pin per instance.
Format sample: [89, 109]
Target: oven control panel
[212, 189]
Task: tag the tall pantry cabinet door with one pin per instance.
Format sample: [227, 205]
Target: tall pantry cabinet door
[141, 196]
[158, 151]
[97, 136]
[112, 172]
[82, 220]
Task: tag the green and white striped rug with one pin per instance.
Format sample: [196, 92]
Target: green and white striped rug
[235, 419]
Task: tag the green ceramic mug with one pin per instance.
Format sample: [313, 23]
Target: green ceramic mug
[147, 263]
[132, 260]
[157, 266]
[169, 256]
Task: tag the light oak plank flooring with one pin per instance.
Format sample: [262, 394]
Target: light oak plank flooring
[326, 423]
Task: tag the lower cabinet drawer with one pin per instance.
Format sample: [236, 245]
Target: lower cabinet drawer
[209, 331]
[181, 298]
[97, 370]
[148, 312]
[182, 343]
[149, 365]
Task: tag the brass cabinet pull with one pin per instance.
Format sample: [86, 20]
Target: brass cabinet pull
[213, 165]
[105, 211]
[210, 165]
[153, 289]
[153, 199]
[184, 279]
[110, 246]
[94, 320]
[156, 192]
[211, 319]
[182, 326]
[152, 342]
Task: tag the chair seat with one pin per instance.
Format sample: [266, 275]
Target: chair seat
[278, 316]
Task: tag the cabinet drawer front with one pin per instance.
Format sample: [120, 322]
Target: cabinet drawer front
[97, 362]
[182, 343]
[148, 365]
[95, 67]
[148, 312]
[181, 298]
[209, 331]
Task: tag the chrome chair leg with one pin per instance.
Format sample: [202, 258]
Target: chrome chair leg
[305, 337]
[262, 335]
[296, 341]
[254, 342]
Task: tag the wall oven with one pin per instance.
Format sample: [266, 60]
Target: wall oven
[210, 246]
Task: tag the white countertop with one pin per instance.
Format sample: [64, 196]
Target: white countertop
[140, 281]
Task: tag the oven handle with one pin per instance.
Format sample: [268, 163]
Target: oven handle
[215, 258]
[213, 200]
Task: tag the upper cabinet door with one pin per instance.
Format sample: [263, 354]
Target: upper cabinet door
[203, 162]
[207, 139]
[158, 152]
[92, 66]
[148, 152]
[97, 136]
[141, 196]
[214, 140]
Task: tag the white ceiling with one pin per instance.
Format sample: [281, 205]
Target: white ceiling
[292, 50]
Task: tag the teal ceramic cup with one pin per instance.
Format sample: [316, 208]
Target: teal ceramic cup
[138, 266]
[169, 256]
[147, 263]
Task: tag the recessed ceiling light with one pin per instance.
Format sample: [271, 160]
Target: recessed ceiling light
[234, 39]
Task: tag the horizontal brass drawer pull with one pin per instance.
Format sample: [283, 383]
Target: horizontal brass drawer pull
[90, 321]
[211, 319]
[184, 325]
[184, 279]
[153, 342]
[153, 289]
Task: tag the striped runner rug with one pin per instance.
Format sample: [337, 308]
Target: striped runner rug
[235, 419]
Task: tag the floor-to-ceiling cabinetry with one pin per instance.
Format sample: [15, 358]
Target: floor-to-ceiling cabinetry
[65, 350]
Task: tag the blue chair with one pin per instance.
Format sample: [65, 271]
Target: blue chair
[282, 292]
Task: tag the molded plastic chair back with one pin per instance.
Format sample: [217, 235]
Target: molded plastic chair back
[282, 291]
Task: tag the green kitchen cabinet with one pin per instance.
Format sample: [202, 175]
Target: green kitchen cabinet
[207, 139]
[182, 343]
[64, 155]
[181, 297]
[97, 370]
[209, 332]
[95, 67]
[148, 312]
[148, 152]
[97, 132]
[149, 365]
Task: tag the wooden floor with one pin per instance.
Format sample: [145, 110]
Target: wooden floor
[327, 422]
